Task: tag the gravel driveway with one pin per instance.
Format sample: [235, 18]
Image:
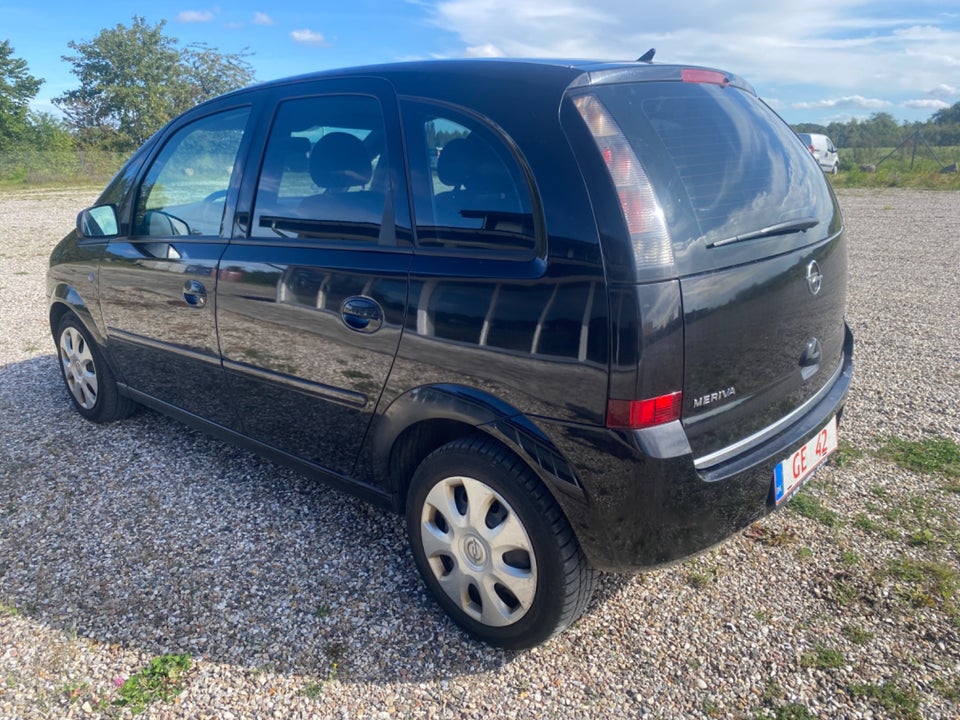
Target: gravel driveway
[123, 543]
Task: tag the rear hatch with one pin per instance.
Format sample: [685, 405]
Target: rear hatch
[748, 227]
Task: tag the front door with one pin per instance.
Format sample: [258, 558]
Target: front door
[159, 278]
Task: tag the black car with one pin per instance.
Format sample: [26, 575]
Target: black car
[567, 316]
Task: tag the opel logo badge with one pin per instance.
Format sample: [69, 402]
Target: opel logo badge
[814, 277]
[474, 551]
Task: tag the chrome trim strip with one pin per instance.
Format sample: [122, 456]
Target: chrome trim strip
[207, 358]
[718, 456]
[307, 387]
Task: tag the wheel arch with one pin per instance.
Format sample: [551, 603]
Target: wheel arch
[64, 299]
[428, 417]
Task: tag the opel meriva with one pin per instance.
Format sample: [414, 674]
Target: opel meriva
[566, 316]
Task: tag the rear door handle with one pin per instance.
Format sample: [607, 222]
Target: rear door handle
[362, 314]
[195, 293]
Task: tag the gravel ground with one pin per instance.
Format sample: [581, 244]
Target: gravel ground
[123, 543]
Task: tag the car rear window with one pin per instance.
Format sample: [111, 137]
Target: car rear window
[738, 166]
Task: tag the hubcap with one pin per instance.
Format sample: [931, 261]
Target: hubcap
[479, 551]
[78, 368]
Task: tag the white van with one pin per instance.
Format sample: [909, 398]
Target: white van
[823, 150]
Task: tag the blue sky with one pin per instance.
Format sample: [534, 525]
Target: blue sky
[813, 60]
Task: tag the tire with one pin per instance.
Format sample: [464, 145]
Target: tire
[493, 547]
[90, 382]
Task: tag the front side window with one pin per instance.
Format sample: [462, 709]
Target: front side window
[470, 193]
[185, 190]
[325, 174]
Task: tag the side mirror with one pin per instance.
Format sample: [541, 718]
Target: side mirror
[98, 222]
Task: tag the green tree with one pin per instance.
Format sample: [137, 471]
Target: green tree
[947, 116]
[881, 130]
[134, 79]
[17, 88]
[209, 73]
[46, 131]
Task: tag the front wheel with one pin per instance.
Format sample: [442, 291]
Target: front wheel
[493, 546]
[89, 380]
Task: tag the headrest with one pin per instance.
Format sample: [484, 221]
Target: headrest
[340, 161]
[453, 165]
[472, 164]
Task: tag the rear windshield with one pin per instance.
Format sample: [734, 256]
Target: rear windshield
[723, 165]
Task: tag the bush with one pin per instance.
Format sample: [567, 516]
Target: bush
[27, 167]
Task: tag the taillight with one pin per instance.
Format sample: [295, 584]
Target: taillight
[637, 414]
[642, 212]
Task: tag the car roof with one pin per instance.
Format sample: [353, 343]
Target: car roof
[557, 74]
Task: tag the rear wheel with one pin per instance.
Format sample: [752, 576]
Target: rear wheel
[493, 546]
[89, 380]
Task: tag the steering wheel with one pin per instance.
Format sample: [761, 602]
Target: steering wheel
[214, 196]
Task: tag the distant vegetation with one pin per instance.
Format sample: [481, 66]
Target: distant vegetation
[132, 80]
[878, 152]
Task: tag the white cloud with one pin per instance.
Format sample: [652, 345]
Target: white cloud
[482, 51]
[308, 37]
[847, 48]
[943, 91]
[857, 102]
[927, 104]
[261, 18]
[195, 16]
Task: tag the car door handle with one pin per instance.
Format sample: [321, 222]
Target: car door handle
[362, 314]
[195, 293]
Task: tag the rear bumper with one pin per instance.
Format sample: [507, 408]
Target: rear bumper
[642, 507]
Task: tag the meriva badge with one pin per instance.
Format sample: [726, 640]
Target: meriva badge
[714, 397]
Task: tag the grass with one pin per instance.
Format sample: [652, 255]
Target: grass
[927, 584]
[948, 690]
[897, 701]
[896, 170]
[887, 177]
[792, 711]
[803, 503]
[846, 453]
[823, 657]
[768, 536]
[313, 690]
[7, 610]
[936, 455]
[849, 557]
[771, 696]
[857, 635]
[161, 681]
[699, 580]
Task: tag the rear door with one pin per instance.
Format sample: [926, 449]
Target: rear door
[313, 286]
[758, 248]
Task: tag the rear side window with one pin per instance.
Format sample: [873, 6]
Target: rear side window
[470, 194]
[325, 172]
[738, 166]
